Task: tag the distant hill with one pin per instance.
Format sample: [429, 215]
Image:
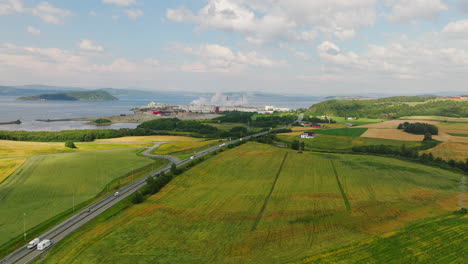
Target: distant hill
[97, 95]
[392, 107]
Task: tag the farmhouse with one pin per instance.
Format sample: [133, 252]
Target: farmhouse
[307, 135]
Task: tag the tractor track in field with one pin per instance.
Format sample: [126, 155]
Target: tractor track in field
[345, 199]
[267, 198]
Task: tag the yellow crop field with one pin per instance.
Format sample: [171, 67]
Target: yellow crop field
[180, 148]
[394, 123]
[8, 166]
[394, 134]
[23, 148]
[437, 118]
[452, 126]
[450, 150]
[149, 139]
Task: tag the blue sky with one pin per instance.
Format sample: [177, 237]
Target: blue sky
[282, 46]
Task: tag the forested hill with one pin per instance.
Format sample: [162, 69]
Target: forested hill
[392, 107]
[97, 95]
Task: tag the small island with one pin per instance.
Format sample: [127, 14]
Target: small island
[97, 95]
[101, 122]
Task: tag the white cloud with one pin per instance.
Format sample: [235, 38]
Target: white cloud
[32, 30]
[134, 13]
[410, 11]
[458, 27]
[263, 21]
[404, 59]
[120, 2]
[10, 7]
[217, 58]
[49, 13]
[86, 44]
[46, 11]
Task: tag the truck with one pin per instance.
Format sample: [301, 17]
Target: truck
[222, 145]
[33, 243]
[44, 244]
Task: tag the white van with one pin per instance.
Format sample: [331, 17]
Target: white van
[33, 243]
[44, 244]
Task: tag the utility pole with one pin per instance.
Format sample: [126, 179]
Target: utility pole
[24, 226]
[73, 200]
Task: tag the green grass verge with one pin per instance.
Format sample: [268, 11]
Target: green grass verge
[206, 214]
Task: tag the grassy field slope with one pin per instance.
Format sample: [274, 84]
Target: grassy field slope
[24, 148]
[182, 148]
[261, 204]
[345, 132]
[44, 185]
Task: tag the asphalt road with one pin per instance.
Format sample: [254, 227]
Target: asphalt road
[57, 233]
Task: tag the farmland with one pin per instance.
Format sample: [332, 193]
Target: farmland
[148, 139]
[261, 204]
[450, 150]
[346, 132]
[184, 148]
[439, 240]
[8, 166]
[22, 148]
[45, 186]
[342, 143]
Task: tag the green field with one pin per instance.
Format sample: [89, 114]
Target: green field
[344, 132]
[343, 143]
[44, 186]
[357, 122]
[439, 240]
[261, 204]
[458, 135]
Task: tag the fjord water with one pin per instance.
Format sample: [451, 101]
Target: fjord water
[29, 111]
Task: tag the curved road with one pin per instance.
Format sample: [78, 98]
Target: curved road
[57, 233]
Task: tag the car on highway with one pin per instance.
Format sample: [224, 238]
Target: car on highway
[44, 244]
[222, 145]
[116, 194]
[33, 243]
[192, 157]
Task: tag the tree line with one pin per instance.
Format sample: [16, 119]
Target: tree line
[85, 135]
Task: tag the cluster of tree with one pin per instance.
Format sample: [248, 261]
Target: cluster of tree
[282, 130]
[175, 124]
[74, 135]
[273, 120]
[102, 121]
[392, 107]
[419, 128]
[70, 144]
[318, 120]
[413, 154]
[155, 184]
[298, 145]
[266, 139]
[235, 117]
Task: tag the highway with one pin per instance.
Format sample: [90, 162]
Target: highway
[60, 231]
